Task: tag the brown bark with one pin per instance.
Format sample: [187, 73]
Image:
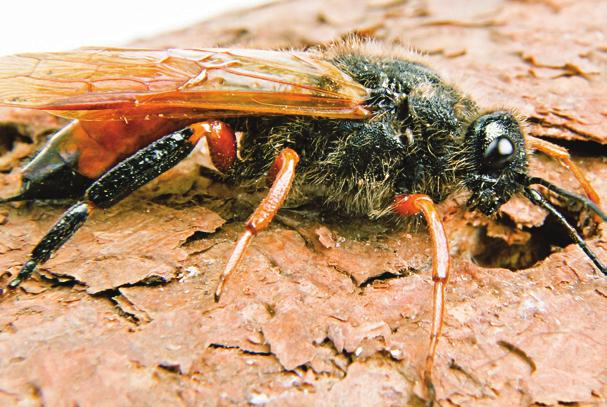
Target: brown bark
[322, 313]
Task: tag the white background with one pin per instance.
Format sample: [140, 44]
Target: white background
[54, 25]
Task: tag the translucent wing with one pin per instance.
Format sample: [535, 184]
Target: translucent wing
[117, 84]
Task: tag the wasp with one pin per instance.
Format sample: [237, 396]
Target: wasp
[365, 129]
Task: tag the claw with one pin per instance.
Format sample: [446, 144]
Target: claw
[25, 273]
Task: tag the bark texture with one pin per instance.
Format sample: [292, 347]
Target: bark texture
[322, 312]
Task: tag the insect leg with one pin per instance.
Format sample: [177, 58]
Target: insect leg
[538, 199]
[129, 175]
[408, 205]
[60, 233]
[570, 195]
[564, 158]
[282, 174]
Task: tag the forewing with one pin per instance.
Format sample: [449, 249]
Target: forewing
[118, 84]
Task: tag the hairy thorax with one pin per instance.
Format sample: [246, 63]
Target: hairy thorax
[415, 143]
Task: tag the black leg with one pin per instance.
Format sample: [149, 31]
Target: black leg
[575, 197]
[111, 188]
[67, 225]
[538, 199]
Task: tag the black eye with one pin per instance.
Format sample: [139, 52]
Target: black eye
[500, 152]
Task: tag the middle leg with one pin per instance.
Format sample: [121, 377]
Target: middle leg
[282, 174]
[409, 205]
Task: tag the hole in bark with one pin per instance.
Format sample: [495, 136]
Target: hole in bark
[198, 235]
[386, 275]
[9, 135]
[495, 252]
[170, 368]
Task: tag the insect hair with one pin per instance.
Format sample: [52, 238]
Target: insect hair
[357, 167]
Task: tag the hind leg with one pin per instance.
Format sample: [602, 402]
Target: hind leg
[129, 175]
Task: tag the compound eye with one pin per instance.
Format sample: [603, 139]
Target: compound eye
[500, 152]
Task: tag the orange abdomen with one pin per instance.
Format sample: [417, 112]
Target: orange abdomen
[92, 147]
[98, 145]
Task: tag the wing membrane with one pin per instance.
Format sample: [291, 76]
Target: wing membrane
[117, 84]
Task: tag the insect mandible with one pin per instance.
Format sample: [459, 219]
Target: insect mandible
[367, 130]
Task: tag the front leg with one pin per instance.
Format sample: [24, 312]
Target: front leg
[127, 176]
[562, 155]
[408, 205]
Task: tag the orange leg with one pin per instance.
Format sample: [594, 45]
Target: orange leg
[282, 174]
[408, 205]
[563, 156]
[220, 139]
